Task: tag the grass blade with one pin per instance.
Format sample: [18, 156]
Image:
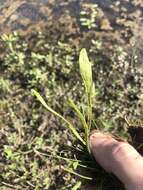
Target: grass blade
[74, 131]
[77, 174]
[79, 114]
[77, 185]
[82, 120]
[62, 158]
[70, 160]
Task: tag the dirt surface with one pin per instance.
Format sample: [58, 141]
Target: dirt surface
[21, 15]
[116, 21]
[120, 19]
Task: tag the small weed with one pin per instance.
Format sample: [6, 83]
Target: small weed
[88, 16]
[86, 116]
[5, 85]
[82, 163]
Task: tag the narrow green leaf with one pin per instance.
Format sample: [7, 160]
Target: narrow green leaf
[74, 131]
[82, 120]
[77, 174]
[79, 114]
[75, 165]
[77, 185]
[69, 160]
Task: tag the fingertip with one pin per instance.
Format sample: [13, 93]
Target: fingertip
[97, 137]
[94, 137]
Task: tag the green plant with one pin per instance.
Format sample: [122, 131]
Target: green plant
[88, 15]
[10, 40]
[85, 116]
[79, 163]
[4, 85]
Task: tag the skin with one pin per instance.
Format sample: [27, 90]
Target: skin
[118, 158]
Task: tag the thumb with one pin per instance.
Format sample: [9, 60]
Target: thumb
[119, 158]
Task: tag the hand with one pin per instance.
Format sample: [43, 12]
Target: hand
[119, 158]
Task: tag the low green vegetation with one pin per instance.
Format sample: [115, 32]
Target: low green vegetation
[88, 15]
[36, 150]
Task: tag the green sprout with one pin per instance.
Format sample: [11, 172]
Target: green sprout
[85, 117]
[88, 16]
